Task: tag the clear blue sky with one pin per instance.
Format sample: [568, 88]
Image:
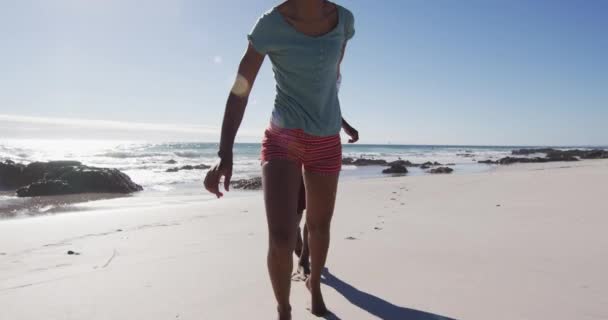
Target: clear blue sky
[420, 72]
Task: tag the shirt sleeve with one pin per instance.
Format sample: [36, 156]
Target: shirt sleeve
[260, 35]
[350, 25]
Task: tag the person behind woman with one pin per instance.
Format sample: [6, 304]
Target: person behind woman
[305, 41]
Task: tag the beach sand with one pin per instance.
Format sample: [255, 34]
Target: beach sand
[519, 242]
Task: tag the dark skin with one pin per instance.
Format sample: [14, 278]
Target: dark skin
[282, 178]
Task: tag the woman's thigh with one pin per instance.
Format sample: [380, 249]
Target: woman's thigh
[281, 181]
[321, 192]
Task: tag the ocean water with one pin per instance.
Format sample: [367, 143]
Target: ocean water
[146, 163]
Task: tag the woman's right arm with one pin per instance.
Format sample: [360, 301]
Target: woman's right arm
[233, 115]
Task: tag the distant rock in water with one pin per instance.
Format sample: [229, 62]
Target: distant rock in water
[364, 162]
[405, 163]
[429, 164]
[529, 151]
[171, 161]
[247, 184]
[63, 177]
[466, 155]
[549, 158]
[441, 170]
[189, 167]
[395, 168]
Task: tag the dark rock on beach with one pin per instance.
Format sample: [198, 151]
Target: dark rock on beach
[14, 175]
[396, 168]
[247, 184]
[63, 177]
[441, 170]
[45, 188]
[189, 167]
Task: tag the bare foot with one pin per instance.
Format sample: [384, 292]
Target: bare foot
[317, 304]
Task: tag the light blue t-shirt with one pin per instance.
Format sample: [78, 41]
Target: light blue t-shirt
[305, 69]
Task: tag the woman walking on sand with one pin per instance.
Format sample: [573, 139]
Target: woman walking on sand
[305, 41]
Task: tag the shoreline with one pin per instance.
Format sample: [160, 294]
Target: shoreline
[14, 207]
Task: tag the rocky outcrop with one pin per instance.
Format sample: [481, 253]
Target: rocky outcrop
[14, 175]
[551, 155]
[595, 154]
[172, 161]
[561, 156]
[189, 167]
[568, 155]
[247, 184]
[395, 168]
[441, 170]
[45, 188]
[63, 177]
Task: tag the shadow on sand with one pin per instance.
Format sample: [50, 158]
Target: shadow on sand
[374, 305]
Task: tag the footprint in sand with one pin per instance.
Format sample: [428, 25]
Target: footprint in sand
[377, 228]
[351, 238]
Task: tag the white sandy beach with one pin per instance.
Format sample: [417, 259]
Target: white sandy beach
[519, 242]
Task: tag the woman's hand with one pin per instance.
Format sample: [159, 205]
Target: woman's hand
[212, 179]
[352, 132]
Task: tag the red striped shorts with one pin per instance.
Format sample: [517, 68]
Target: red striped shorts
[315, 154]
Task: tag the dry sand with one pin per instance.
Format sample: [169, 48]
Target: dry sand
[520, 242]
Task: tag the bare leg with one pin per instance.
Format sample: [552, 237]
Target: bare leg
[281, 180]
[320, 200]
